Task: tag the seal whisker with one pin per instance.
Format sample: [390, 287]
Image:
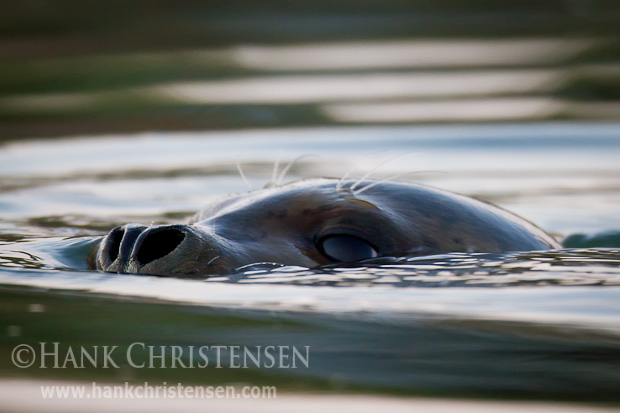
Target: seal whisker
[243, 175]
[274, 173]
[359, 191]
[374, 169]
[345, 176]
[291, 163]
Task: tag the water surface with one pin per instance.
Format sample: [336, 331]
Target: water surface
[541, 324]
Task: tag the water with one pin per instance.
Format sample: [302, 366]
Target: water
[139, 113]
[534, 324]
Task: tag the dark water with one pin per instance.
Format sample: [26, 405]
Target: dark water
[139, 113]
[83, 67]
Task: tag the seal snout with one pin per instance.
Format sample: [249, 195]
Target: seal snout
[139, 249]
[158, 243]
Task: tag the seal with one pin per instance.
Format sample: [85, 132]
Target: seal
[317, 222]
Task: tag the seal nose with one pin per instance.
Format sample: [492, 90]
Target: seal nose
[117, 247]
[138, 249]
[157, 243]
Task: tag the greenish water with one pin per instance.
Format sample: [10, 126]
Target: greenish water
[81, 67]
[113, 113]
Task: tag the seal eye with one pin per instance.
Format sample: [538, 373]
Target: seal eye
[346, 248]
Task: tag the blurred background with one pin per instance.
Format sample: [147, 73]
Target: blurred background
[75, 67]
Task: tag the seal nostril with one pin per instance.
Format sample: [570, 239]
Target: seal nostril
[114, 243]
[158, 244]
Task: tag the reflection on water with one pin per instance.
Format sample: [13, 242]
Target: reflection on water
[532, 92]
[565, 267]
[300, 89]
[453, 110]
[209, 67]
[413, 54]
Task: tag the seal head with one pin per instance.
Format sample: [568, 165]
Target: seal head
[318, 222]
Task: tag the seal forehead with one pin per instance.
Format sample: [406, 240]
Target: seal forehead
[363, 202]
[300, 194]
[324, 197]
